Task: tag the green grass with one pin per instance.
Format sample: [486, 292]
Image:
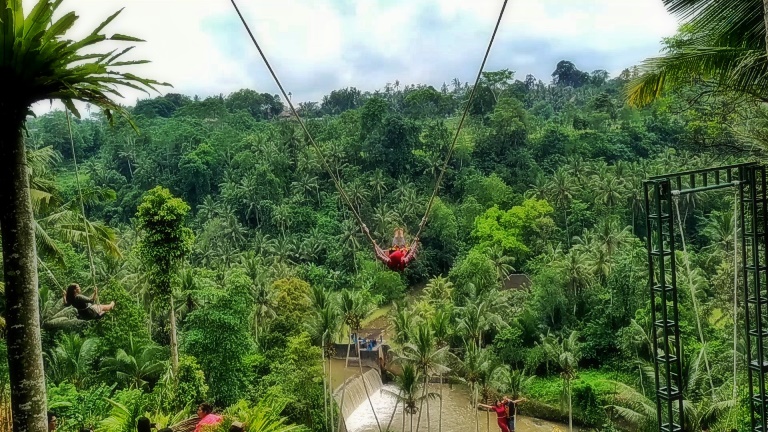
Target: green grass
[547, 389]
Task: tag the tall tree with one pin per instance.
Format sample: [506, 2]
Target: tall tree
[165, 243]
[721, 42]
[37, 63]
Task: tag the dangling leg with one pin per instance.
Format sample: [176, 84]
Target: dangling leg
[100, 309]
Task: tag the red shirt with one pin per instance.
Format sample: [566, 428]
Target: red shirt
[501, 411]
[396, 260]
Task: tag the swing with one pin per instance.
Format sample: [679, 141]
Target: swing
[400, 258]
[88, 309]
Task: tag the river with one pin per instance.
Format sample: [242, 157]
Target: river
[458, 415]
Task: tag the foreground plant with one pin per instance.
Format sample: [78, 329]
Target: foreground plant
[37, 63]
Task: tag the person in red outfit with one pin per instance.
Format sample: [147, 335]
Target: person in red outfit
[501, 414]
[399, 255]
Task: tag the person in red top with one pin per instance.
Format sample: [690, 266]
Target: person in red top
[501, 414]
[207, 417]
[399, 255]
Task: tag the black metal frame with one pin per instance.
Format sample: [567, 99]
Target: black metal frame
[660, 191]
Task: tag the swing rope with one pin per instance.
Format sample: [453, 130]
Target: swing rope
[337, 180]
[461, 122]
[86, 225]
[676, 199]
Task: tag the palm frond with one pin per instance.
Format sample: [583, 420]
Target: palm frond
[39, 63]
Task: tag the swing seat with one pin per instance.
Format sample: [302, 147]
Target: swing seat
[89, 314]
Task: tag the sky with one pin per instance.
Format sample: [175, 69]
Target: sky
[316, 46]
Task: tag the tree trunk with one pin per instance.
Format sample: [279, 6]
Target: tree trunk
[765, 19]
[25, 356]
[325, 387]
[421, 404]
[440, 414]
[392, 416]
[174, 341]
[341, 409]
[330, 389]
[477, 418]
[570, 408]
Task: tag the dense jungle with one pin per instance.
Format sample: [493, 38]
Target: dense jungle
[236, 266]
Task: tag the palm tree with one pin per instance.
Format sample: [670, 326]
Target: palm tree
[721, 43]
[71, 360]
[477, 318]
[638, 410]
[262, 417]
[403, 321]
[378, 183]
[324, 327]
[408, 392]
[439, 290]
[471, 370]
[515, 381]
[501, 261]
[441, 327]
[424, 354]
[137, 365]
[354, 309]
[565, 353]
[37, 63]
[561, 188]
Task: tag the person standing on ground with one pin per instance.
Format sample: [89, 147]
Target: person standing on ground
[511, 407]
[501, 414]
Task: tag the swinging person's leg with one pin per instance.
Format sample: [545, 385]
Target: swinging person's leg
[102, 309]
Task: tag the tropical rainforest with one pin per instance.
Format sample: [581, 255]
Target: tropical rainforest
[235, 263]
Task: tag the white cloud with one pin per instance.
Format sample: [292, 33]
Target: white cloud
[200, 47]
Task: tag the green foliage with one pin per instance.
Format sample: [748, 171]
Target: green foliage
[166, 241]
[475, 269]
[513, 228]
[296, 378]
[292, 302]
[77, 409]
[187, 388]
[508, 345]
[127, 318]
[219, 331]
[545, 180]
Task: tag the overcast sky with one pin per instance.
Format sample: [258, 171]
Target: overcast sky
[201, 48]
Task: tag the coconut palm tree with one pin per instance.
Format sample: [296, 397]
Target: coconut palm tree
[470, 371]
[262, 417]
[71, 360]
[441, 327]
[38, 63]
[425, 355]
[565, 353]
[324, 327]
[408, 385]
[636, 409]
[137, 366]
[722, 43]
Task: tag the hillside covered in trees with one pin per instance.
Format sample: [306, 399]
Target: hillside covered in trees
[546, 180]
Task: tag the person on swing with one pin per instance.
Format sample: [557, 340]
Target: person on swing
[86, 307]
[399, 254]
